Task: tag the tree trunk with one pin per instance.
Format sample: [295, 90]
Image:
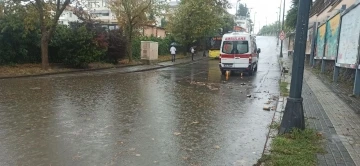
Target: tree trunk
[45, 50]
[129, 50]
[128, 33]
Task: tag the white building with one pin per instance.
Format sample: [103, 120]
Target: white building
[68, 16]
[243, 22]
[100, 11]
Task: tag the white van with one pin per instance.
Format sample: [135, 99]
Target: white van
[238, 52]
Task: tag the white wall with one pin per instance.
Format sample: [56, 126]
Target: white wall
[67, 16]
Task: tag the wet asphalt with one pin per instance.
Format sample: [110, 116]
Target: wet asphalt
[182, 115]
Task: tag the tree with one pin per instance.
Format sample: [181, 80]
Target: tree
[16, 44]
[133, 15]
[271, 29]
[194, 20]
[242, 10]
[291, 16]
[48, 13]
[163, 23]
[228, 22]
[2, 8]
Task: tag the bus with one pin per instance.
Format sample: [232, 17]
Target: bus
[215, 43]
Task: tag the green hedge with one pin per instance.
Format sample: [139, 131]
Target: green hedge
[76, 47]
[16, 44]
[164, 45]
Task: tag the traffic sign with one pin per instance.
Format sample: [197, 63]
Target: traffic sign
[282, 35]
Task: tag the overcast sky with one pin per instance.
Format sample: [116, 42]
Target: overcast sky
[265, 10]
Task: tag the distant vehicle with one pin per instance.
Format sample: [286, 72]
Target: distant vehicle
[214, 50]
[238, 52]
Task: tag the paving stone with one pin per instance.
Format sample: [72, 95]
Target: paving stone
[328, 113]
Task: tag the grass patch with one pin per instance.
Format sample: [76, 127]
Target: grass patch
[274, 125]
[316, 70]
[97, 65]
[297, 148]
[163, 58]
[35, 69]
[283, 89]
[27, 69]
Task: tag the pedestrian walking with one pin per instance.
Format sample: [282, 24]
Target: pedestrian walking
[192, 53]
[173, 52]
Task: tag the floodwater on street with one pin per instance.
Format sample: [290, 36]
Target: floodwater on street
[181, 115]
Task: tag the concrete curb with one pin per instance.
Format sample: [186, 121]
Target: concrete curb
[165, 66]
[67, 72]
[98, 69]
[280, 106]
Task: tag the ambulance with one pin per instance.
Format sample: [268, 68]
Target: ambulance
[238, 52]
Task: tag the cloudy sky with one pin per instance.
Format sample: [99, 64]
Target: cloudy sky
[265, 10]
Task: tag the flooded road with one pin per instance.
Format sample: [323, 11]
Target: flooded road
[181, 115]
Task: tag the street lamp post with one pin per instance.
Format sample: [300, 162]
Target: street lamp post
[276, 31]
[265, 21]
[237, 2]
[294, 114]
[254, 23]
[277, 43]
[282, 29]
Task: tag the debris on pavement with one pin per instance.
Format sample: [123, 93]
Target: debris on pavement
[248, 95]
[217, 147]
[177, 133]
[266, 108]
[319, 134]
[211, 86]
[195, 122]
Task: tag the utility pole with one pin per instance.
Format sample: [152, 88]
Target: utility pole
[237, 8]
[282, 29]
[277, 43]
[294, 114]
[254, 23]
[266, 21]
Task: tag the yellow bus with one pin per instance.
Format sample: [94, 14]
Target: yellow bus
[214, 50]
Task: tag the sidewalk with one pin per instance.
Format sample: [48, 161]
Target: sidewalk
[331, 116]
[121, 69]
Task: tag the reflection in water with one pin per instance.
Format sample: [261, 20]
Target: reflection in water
[84, 121]
[214, 75]
[131, 119]
[25, 115]
[195, 117]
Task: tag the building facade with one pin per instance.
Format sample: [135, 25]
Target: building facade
[244, 23]
[323, 9]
